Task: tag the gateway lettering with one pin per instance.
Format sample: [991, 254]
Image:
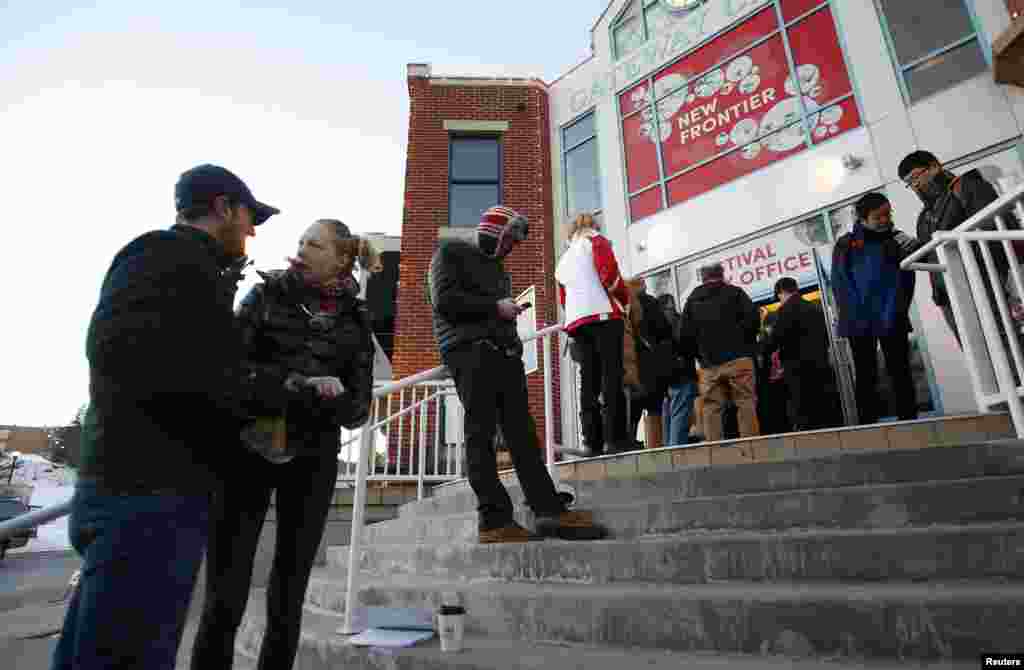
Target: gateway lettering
[706, 119]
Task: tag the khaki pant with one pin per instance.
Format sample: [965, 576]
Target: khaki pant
[730, 381]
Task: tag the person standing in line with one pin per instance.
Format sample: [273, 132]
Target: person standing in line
[595, 298]
[948, 202]
[720, 323]
[306, 324]
[801, 339]
[168, 396]
[682, 389]
[772, 396]
[656, 356]
[475, 328]
[873, 296]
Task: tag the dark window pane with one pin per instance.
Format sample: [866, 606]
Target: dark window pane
[475, 158]
[581, 179]
[579, 131]
[919, 28]
[468, 201]
[944, 71]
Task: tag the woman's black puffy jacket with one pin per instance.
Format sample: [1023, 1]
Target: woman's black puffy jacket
[279, 337]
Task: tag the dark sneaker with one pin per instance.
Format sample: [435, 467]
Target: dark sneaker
[571, 525]
[513, 532]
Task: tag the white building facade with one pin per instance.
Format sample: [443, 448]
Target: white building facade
[742, 130]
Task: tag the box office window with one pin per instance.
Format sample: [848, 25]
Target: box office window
[766, 88]
[934, 45]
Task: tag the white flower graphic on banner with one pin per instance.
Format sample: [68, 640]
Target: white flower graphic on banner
[809, 76]
[710, 84]
[739, 69]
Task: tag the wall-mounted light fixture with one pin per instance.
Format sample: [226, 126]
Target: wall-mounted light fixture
[852, 163]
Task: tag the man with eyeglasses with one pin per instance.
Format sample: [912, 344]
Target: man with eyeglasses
[948, 202]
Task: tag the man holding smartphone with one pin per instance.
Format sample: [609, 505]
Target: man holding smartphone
[475, 328]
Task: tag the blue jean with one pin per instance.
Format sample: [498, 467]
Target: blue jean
[676, 417]
[140, 557]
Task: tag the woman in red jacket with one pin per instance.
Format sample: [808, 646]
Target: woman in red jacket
[595, 297]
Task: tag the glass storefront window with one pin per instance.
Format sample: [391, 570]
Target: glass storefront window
[640, 133]
[792, 9]
[934, 44]
[645, 204]
[820, 69]
[735, 104]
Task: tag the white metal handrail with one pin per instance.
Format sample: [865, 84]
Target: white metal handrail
[365, 443]
[989, 333]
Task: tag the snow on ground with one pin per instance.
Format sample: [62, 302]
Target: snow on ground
[51, 484]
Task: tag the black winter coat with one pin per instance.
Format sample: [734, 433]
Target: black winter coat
[168, 392]
[969, 194]
[279, 339]
[800, 335]
[465, 288]
[720, 323]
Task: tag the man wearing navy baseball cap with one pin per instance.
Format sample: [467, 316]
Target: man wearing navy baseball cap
[167, 398]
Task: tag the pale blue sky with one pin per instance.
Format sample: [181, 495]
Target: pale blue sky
[103, 104]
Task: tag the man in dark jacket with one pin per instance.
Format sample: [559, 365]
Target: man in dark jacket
[720, 323]
[873, 297]
[168, 396]
[475, 328]
[800, 336]
[948, 201]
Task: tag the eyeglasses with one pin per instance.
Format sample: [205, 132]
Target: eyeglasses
[913, 179]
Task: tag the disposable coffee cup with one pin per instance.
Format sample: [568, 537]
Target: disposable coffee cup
[451, 624]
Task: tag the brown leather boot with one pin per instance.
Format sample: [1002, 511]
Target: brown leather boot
[653, 438]
[571, 525]
[512, 532]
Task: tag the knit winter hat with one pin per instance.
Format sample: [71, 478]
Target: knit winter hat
[497, 222]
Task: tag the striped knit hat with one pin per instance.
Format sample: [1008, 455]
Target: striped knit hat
[494, 225]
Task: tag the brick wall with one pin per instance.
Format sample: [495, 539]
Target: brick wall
[526, 187]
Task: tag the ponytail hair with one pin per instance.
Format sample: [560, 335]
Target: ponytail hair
[583, 221]
[362, 250]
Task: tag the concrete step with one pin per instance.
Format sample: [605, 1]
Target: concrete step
[893, 621]
[884, 466]
[946, 552]
[321, 648]
[980, 499]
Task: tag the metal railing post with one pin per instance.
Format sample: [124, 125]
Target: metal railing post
[356, 536]
[423, 449]
[549, 414]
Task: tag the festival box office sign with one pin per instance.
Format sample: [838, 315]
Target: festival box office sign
[756, 265]
[729, 108]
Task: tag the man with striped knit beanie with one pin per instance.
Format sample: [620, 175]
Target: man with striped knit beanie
[475, 328]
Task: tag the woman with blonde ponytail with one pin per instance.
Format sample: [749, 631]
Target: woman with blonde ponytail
[307, 325]
[596, 299]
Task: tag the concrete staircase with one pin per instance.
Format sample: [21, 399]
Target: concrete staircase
[860, 557]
